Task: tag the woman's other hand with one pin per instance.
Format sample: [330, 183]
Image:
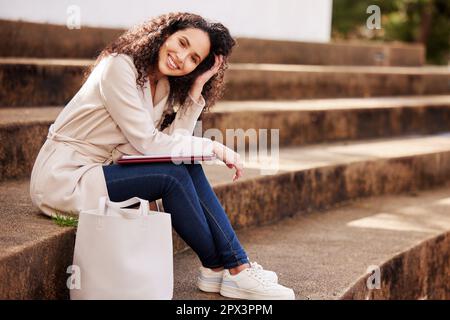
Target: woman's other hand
[230, 158]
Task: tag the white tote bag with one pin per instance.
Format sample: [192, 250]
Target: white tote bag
[123, 253]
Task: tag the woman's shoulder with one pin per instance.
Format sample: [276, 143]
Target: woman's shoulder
[121, 56]
[119, 62]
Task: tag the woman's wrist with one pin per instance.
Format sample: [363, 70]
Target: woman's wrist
[199, 101]
[195, 92]
[216, 146]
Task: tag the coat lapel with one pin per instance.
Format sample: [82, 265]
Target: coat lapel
[161, 96]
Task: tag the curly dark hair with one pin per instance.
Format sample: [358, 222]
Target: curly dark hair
[143, 42]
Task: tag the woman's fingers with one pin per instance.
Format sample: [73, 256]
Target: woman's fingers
[239, 172]
[237, 175]
[217, 62]
[230, 158]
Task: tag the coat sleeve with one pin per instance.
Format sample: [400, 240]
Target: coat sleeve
[186, 120]
[120, 96]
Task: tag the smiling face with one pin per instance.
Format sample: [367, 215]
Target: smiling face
[183, 51]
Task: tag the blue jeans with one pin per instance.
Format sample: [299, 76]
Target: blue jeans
[197, 215]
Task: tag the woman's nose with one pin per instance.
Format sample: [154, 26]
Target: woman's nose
[180, 57]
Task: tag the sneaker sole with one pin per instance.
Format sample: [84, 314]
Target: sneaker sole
[207, 286]
[237, 293]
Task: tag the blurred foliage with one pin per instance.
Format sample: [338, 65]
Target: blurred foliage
[420, 21]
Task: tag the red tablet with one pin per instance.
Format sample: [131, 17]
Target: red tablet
[161, 158]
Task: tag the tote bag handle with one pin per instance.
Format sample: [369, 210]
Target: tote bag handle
[144, 208]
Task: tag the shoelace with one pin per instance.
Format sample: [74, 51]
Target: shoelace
[255, 272]
[255, 265]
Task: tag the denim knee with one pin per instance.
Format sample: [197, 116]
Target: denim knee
[179, 173]
[194, 168]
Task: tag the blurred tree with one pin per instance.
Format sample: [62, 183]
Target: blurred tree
[424, 21]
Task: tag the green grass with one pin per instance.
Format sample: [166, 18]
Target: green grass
[65, 221]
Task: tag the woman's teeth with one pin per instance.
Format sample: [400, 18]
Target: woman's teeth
[171, 63]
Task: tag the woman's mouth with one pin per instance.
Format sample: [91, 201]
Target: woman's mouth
[170, 63]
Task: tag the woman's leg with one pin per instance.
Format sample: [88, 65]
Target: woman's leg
[174, 185]
[225, 238]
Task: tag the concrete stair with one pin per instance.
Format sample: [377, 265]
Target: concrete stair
[27, 39]
[363, 175]
[35, 252]
[327, 255]
[24, 130]
[35, 82]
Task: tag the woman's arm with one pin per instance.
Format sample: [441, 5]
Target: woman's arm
[195, 94]
[187, 119]
[120, 96]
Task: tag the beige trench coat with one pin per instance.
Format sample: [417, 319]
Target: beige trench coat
[108, 117]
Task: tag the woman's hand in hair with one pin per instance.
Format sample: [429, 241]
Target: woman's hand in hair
[197, 87]
[208, 74]
[230, 158]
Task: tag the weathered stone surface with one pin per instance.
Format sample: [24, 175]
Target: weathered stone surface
[319, 254]
[278, 82]
[34, 251]
[310, 179]
[333, 53]
[23, 131]
[37, 82]
[26, 39]
[322, 254]
[38, 271]
[315, 121]
[19, 149]
[421, 272]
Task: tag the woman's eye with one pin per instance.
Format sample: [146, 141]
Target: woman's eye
[183, 45]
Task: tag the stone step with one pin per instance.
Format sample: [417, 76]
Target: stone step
[23, 130]
[38, 82]
[286, 82]
[34, 252]
[42, 40]
[331, 53]
[27, 39]
[330, 255]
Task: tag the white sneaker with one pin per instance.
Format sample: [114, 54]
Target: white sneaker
[211, 281]
[250, 284]
[269, 275]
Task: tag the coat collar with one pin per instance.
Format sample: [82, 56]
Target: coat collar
[161, 96]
